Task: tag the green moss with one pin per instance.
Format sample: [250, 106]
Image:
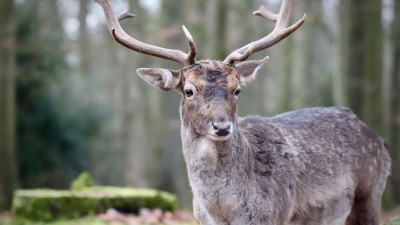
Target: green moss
[84, 180]
[46, 205]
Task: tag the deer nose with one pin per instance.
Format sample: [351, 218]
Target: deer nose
[222, 128]
[221, 124]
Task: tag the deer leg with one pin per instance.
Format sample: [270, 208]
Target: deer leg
[201, 214]
[367, 201]
[366, 206]
[365, 211]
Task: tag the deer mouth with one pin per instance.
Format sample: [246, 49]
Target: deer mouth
[218, 138]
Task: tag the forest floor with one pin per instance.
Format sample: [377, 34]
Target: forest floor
[155, 217]
[112, 217]
[386, 216]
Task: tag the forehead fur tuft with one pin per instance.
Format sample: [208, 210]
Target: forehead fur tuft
[211, 72]
[209, 66]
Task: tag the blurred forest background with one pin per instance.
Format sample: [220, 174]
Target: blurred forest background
[70, 99]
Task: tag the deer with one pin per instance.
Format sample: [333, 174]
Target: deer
[314, 166]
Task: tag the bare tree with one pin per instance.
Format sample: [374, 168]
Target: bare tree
[8, 167]
[84, 42]
[394, 139]
[361, 54]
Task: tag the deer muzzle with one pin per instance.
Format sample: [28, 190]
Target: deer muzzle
[220, 127]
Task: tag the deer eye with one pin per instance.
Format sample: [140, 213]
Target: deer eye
[237, 92]
[188, 93]
[189, 90]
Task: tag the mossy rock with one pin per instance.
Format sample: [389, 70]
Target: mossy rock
[44, 205]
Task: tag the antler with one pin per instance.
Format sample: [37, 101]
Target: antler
[126, 40]
[280, 32]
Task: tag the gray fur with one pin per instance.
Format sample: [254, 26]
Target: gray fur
[315, 166]
[303, 167]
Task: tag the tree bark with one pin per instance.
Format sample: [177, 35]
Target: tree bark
[83, 38]
[8, 168]
[373, 107]
[221, 29]
[361, 52]
[303, 76]
[286, 91]
[394, 129]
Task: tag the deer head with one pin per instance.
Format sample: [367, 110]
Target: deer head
[209, 88]
[210, 91]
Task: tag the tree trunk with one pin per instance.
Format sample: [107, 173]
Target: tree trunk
[394, 129]
[303, 82]
[361, 53]
[220, 29]
[339, 34]
[8, 168]
[83, 38]
[373, 107]
[286, 91]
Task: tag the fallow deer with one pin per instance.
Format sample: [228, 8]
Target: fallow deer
[314, 166]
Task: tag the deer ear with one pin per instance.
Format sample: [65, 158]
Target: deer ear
[161, 79]
[248, 69]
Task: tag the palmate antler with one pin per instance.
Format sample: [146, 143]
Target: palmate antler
[128, 41]
[280, 32]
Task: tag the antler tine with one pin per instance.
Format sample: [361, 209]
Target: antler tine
[192, 46]
[125, 15]
[280, 32]
[128, 41]
[264, 12]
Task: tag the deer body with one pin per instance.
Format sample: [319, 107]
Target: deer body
[317, 166]
[311, 166]
[304, 167]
